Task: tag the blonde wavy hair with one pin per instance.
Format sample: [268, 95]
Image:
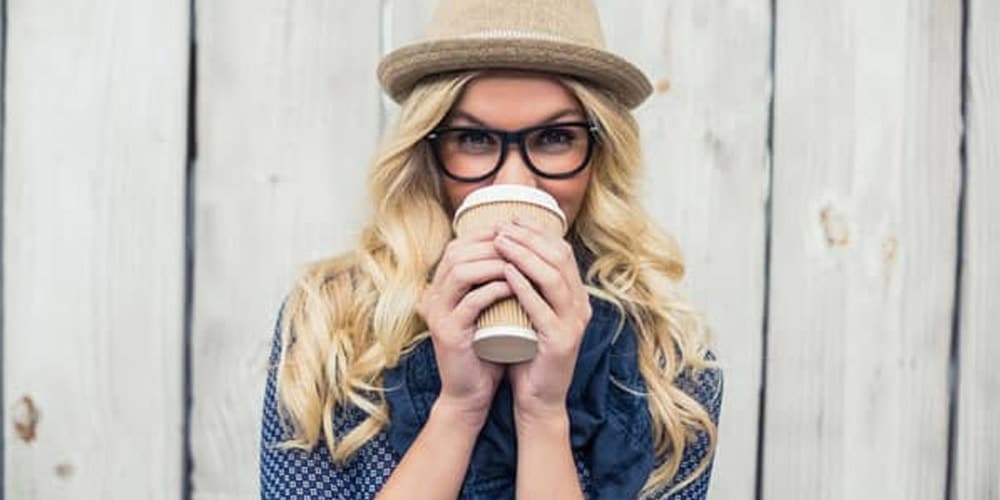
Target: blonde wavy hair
[351, 316]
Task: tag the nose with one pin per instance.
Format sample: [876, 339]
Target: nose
[514, 170]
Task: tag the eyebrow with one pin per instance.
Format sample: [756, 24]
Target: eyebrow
[555, 116]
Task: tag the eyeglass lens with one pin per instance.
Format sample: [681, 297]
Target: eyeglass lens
[554, 150]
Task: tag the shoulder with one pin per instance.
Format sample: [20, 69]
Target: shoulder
[704, 384]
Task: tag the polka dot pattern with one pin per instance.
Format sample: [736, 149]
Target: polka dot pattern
[297, 474]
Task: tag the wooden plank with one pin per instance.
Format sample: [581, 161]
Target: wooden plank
[288, 110]
[94, 159]
[865, 199]
[704, 139]
[3, 290]
[977, 457]
[403, 22]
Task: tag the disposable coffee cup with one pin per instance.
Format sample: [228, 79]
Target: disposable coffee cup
[504, 333]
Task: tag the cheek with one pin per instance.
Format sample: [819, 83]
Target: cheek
[455, 192]
[570, 195]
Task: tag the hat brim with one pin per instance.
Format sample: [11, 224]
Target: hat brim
[402, 68]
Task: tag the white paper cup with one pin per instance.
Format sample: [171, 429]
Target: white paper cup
[504, 332]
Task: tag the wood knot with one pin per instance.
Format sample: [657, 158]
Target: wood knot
[64, 470]
[889, 250]
[834, 227]
[25, 419]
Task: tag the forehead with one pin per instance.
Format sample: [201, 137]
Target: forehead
[513, 98]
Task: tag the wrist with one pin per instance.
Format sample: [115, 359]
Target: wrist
[536, 420]
[458, 416]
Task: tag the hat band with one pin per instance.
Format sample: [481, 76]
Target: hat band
[514, 34]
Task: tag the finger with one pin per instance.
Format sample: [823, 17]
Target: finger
[475, 301]
[554, 250]
[549, 279]
[541, 315]
[479, 234]
[458, 251]
[468, 252]
[465, 276]
[534, 226]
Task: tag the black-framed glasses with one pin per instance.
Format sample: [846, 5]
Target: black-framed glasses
[473, 154]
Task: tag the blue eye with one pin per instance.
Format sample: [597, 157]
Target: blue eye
[475, 137]
[471, 142]
[555, 139]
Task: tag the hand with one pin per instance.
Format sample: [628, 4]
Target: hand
[468, 383]
[560, 314]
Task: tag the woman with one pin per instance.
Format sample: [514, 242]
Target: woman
[374, 387]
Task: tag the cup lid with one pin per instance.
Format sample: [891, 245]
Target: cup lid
[511, 192]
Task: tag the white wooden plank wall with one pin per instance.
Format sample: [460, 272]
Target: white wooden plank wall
[93, 243]
[865, 198]
[854, 302]
[287, 120]
[704, 136]
[977, 448]
[403, 22]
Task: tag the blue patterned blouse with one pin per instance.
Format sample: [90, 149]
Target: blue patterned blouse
[295, 474]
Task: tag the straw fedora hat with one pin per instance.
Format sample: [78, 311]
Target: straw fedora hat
[558, 36]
